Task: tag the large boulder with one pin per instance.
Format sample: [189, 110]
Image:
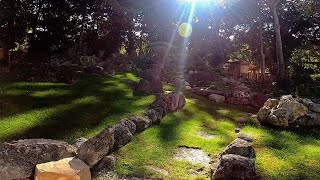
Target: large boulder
[217, 98]
[171, 102]
[297, 109]
[241, 147]
[68, 168]
[19, 158]
[236, 167]
[283, 112]
[96, 148]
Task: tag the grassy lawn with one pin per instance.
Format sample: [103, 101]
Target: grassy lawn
[61, 111]
[280, 154]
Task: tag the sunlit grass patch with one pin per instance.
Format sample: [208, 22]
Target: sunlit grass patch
[61, 111]
[157, 145]
[286, 154]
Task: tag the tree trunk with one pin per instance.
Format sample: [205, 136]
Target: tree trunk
[279, 48]
[263, 56]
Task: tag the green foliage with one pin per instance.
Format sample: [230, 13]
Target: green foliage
[305, 64]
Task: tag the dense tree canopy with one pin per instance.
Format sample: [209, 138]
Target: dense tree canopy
[270, 30]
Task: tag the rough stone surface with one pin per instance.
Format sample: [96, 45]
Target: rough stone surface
[18, 158]
[122, 135]
[271, 103]
[79, 142]
[169, 102]
[240, 147]
[246, 137]
[290, 105]
[96, 148]
[263, 114]
[67, 169]
[311, 119]
[236, 167]
[130, 125]
[282, 112]
[142, 123]
[107, 163]
[217, 98]
[314, 107]
[155, 115]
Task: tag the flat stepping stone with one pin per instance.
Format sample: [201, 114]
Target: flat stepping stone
[206, 135]
[192, 155]
[157, 169]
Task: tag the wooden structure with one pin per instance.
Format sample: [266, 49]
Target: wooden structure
[243, 70]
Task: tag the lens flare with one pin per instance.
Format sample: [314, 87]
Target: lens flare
[185, 29]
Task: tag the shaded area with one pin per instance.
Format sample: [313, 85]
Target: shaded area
[60, 111]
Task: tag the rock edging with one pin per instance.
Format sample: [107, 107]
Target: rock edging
[19, 158]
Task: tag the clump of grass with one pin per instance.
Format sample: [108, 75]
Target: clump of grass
[61, 111]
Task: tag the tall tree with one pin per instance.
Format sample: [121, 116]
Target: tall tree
[279, 47]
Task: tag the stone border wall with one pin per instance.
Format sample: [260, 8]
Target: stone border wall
[19, 158]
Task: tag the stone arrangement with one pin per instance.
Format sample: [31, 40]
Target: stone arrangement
[19, 159]
[241, 95]
[237, 161]
[288, 111]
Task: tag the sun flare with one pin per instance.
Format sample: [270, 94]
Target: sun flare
[203, 1]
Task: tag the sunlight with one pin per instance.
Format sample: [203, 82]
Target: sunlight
[221, 2]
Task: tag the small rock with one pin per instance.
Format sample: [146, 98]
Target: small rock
[217, 98]
[96, 148]
[237, 130]
[107, 163]
[69, 168]
[246, 137]
[240, 147]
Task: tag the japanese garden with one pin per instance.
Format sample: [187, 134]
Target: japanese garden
[166, 89]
